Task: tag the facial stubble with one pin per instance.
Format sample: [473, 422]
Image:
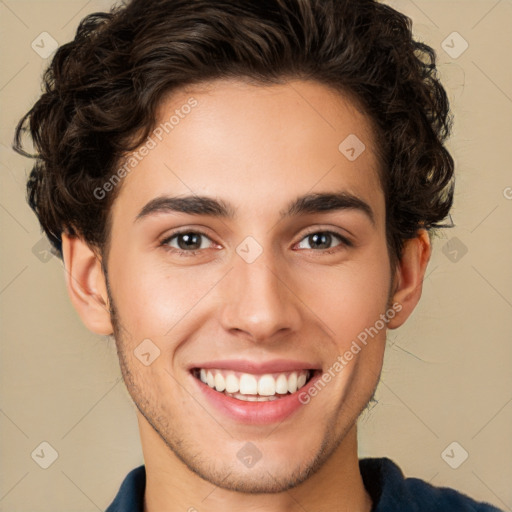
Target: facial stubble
[231, 475]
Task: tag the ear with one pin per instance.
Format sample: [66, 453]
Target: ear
[409, 276]
[86, 284]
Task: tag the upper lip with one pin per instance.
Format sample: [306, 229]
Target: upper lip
[246, 366]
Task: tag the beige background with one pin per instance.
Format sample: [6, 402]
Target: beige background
[447, 371]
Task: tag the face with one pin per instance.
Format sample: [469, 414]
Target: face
[246, 286]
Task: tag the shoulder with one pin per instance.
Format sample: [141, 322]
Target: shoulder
[444, 498]
[391, 491]
[130, 497]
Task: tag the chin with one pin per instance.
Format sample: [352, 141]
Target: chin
[265, 479]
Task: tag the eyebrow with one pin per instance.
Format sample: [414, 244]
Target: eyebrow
[306, 204]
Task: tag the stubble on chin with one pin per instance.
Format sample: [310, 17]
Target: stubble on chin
[228, 475]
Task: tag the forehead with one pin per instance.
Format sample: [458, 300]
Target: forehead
[256, 146]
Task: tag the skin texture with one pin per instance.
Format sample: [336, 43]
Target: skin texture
[256, 148]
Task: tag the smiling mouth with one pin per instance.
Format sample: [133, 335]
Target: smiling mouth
[249, 387]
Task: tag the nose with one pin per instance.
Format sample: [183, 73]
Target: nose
[261, 301]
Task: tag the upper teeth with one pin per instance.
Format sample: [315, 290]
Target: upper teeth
[249, 384]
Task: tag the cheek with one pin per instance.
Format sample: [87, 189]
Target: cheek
[349, 297]
[152, 299]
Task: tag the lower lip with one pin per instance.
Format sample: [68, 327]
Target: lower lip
[256, 413]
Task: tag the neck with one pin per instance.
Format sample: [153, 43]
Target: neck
[172, 487]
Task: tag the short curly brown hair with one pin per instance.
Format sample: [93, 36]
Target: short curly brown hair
[102, 89]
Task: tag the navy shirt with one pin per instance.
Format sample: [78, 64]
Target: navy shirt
[383, 479]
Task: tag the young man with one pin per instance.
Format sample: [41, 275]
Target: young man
[242, 192]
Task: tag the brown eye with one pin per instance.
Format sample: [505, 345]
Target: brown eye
[186, 241]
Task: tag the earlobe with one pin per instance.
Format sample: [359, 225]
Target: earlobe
[409, 276]
[86, 284]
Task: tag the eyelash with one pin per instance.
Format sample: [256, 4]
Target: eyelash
[180, 252]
